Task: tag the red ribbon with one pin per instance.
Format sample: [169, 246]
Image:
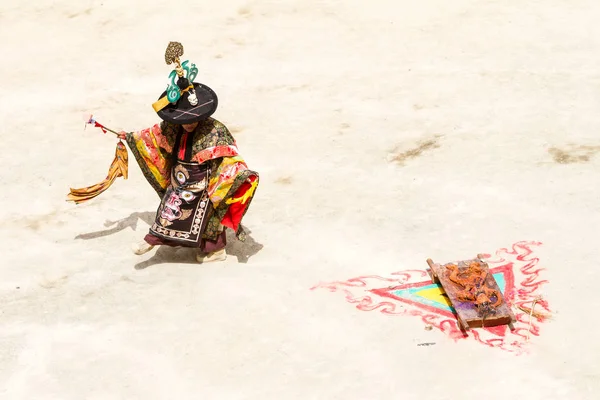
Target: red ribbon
[97, 125]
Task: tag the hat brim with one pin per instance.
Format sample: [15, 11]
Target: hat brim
[184, 113]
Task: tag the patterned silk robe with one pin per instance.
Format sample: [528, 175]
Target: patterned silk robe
[162, 149]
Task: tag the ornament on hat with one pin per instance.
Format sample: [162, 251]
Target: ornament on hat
[181, 78]
[184, 101]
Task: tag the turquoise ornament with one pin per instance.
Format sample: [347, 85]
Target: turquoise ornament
[192, 71]
[173, 92]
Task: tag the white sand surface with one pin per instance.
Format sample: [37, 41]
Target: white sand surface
[326, 100]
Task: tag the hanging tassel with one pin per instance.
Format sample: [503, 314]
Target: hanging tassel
[117, 169]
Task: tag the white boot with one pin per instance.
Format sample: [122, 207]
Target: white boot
[141, 248]
[219, 255]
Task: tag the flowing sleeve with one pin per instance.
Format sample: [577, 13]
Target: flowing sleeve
[151, 148]
[231, 189]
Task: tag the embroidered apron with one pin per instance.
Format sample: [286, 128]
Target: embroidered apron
[185, 208]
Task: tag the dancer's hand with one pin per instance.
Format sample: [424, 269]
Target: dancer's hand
[122, 135]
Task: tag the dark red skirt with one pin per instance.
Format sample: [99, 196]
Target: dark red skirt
[205, 245]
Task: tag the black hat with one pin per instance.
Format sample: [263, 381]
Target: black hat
[184, 101]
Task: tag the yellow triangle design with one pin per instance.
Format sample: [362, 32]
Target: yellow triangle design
[434, 294]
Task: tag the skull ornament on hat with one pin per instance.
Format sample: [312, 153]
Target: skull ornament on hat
[184, 101]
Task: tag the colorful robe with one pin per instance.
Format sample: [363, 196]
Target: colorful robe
[231, 185]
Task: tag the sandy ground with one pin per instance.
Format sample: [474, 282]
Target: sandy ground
[384, 135]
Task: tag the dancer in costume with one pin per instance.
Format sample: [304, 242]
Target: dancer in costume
[192, 162]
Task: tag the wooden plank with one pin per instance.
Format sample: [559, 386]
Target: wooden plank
[468, 314]
[434, 277]
[513, 319]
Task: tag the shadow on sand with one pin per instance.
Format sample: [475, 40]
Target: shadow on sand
[128, 222]
[164, 254]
